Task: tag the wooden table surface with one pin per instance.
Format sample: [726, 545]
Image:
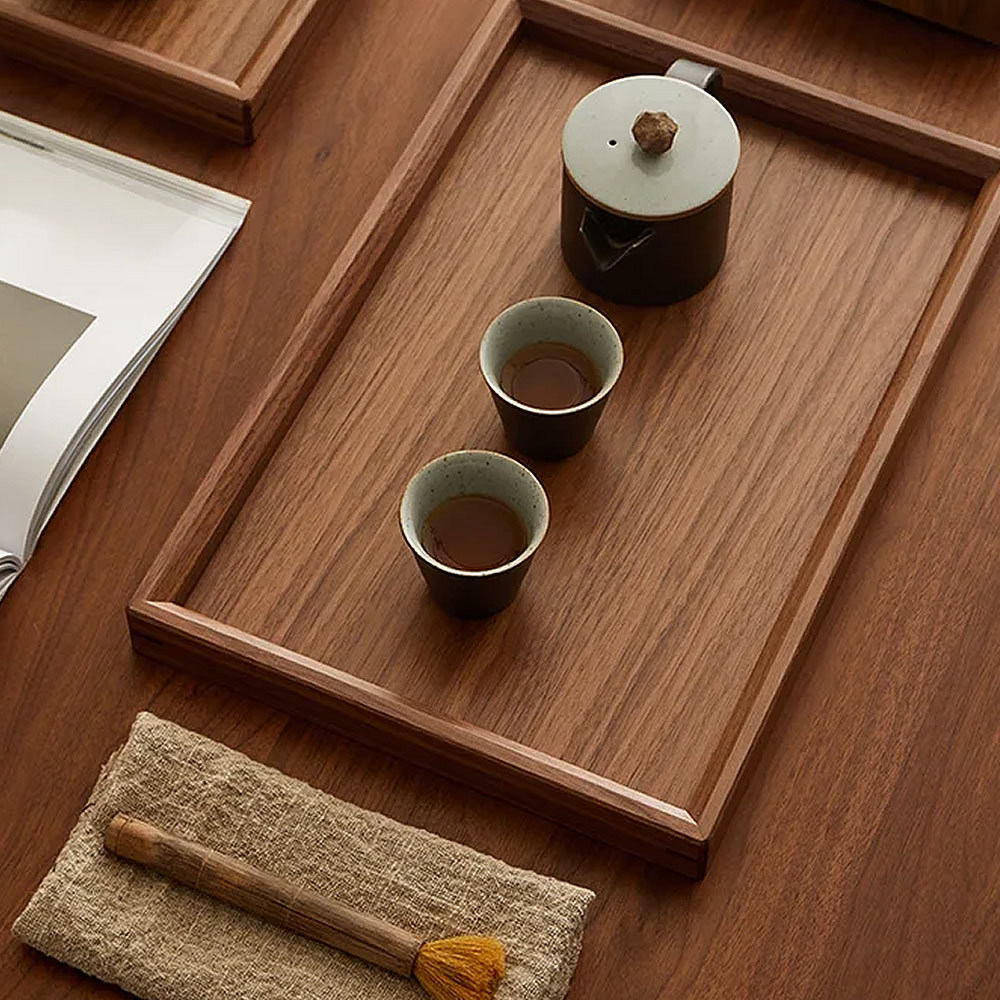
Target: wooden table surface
[863, 858]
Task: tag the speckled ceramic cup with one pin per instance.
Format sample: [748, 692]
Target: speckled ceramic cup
[474, 593]
[550, 434]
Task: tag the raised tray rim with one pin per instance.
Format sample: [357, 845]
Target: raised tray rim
[231, 108]
[163, 628]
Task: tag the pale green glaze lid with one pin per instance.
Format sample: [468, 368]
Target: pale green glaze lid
[608, 167]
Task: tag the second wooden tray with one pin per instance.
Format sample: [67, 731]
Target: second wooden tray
[693, 542]
[217, 64]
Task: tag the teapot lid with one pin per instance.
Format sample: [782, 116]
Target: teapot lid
[605, 162]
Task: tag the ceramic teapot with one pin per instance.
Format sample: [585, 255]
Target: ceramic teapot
[648, 166]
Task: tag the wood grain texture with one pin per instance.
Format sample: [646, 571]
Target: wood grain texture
[184, 92]
[263, 894]
[215, 65]
[859, 490]
[732, 483]
[863, 858]
[975, 17]
[322, 326]
[897, 139]
[218, 38]
[604, 809]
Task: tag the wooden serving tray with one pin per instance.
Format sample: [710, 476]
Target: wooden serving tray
[980, 18]
[693, 542]
[215, 64]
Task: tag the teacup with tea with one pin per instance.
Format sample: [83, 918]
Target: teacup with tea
[550, 364]
[473, 520]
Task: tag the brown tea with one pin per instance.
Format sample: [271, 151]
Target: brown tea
[550, 376]
[474, 533]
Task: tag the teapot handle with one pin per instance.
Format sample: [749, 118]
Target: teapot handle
[709, 78]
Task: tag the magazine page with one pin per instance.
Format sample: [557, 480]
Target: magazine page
[35, 335]
[104, 259]
[10, 566]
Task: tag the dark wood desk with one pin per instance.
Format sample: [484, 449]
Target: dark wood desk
[890, 734]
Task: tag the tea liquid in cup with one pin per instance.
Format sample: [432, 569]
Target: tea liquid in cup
[474, 532]
[550, 376]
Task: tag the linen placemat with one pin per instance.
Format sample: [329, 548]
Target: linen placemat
[129, 926]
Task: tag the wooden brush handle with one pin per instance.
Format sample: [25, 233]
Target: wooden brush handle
[265, 896]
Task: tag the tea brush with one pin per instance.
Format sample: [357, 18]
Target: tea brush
[456, 968]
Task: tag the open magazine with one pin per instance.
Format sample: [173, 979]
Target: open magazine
[99, 256]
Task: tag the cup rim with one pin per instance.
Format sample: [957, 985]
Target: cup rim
[596, 398]
[417, 546]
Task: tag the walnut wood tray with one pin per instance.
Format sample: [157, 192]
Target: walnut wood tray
[980, 18]
[215, 64]
[693, 542]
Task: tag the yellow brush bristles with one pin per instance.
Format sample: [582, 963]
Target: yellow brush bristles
[460, 968]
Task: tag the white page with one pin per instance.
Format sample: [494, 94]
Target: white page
[113, 239]
[10, 565]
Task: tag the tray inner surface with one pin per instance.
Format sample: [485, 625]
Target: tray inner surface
[678, 535]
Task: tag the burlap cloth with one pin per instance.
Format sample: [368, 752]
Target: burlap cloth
[160, 941]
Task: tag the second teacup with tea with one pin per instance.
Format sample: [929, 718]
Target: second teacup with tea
[550, 364]
[473, 520]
